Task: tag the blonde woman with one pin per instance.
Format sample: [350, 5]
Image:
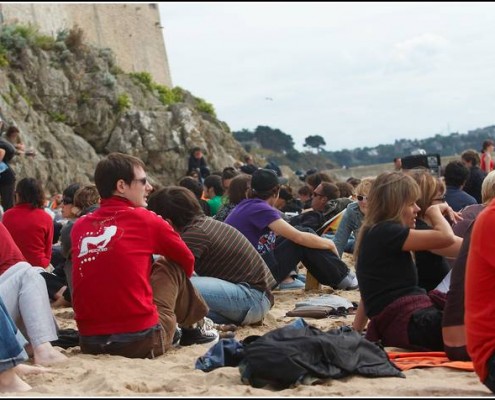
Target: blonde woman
[401, 313]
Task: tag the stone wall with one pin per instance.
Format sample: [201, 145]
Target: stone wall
[133, 30]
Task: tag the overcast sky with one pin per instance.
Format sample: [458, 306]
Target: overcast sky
[357, 74]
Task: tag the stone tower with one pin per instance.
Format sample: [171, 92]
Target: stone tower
[133, 30]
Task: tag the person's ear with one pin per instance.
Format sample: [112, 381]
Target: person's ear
[120, 186]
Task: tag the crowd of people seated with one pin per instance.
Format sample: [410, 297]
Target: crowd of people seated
[147, 270]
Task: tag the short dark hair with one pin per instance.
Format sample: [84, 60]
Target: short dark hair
[193, 185]
[305, 190]
[285, 193]
[215, 182]
[177, 204]
[471, 156]
[346, 189]
[330, 190]
[11, 131]
[315, 179]
[69, 193]
[486, 143]
[353, 181]
[229, 173]
[30, 190]
[111, 169]
[456, 174]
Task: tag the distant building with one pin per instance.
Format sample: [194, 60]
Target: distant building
[132, 30]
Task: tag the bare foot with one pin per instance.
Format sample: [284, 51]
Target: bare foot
[24, 369]
[10, 382]
[59, 299]
[46, 355]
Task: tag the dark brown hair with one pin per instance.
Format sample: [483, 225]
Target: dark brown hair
[111, 169]
[177, 204]
[30, 190]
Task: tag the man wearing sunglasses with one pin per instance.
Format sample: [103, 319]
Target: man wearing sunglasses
[125, 305]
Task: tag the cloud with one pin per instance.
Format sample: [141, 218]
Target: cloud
[421, 53]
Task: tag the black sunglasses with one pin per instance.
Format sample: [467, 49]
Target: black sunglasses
[142, 180]
[361, 198]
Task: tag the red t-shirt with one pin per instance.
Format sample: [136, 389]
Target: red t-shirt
[479, 303]
[9, 252]
[483, 156]
[32, 230]
[112, 255]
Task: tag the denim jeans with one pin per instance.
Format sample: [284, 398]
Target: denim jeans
[24, 292]
[229, 302]
[12, 341]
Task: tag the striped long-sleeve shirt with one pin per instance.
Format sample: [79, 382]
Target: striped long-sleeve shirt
[222, 252]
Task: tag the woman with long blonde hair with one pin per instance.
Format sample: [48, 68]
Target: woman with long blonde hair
[401, 313]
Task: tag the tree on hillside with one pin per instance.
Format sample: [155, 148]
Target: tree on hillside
[273, 139]
[243, 135]
[314, 141]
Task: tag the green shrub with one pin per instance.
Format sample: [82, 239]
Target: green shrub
[83, 98]
[123, 102]
[4, 61]
[57, 117]
[44, 42]
[143, 77]
[116, 70]
[178, 94]
[205, 107]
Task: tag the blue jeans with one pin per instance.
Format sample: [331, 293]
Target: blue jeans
[229, 302]
[12, 342]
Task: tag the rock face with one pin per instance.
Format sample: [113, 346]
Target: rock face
[68, 105]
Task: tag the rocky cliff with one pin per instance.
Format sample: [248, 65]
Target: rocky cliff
[73, 105]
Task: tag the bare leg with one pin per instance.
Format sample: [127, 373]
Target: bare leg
[45, 354]
[11, 382]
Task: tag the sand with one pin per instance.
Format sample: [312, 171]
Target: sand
[173, 374]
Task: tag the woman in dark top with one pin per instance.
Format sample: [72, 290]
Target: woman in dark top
[401, 313]
[197, 163]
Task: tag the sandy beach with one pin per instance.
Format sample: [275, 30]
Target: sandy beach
[173, 374]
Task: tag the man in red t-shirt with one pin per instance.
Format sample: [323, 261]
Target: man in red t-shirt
[123, 304]
[479, 303]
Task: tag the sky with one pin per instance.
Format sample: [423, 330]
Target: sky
[358, 74]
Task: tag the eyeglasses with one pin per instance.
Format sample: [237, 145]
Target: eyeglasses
[318, 194]
[440, 199]
[142, 180]
[361, 198]
[67, 200]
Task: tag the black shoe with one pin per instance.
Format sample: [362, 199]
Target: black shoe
[202, 334]
[177, 337]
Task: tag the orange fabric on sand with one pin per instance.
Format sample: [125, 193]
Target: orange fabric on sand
[408, 360]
